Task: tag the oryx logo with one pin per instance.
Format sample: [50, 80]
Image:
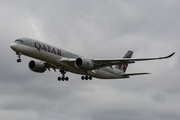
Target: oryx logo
[123, 67]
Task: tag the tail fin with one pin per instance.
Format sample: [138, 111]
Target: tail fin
[123, 67]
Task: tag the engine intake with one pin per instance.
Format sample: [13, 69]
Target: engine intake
[37, 66]
[84, 64]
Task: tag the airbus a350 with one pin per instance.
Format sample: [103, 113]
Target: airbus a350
[58, 59]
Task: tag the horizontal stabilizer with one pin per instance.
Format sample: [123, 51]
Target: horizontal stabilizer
[131, 74]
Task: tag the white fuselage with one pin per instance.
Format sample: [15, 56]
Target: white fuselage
[53, 55]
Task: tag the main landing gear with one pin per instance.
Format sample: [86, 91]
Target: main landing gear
[19, 57]
[63, 78]
[86, 77]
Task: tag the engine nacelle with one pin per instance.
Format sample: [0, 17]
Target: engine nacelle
[84, 64]
[37, 66]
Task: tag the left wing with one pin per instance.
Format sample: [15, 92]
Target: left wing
[131, 74]
[109, 62]
[99, 63]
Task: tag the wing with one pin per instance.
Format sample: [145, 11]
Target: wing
[132, 74]
[110, 62]
[99, 63]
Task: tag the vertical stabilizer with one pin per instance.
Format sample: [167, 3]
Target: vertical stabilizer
[123, 67]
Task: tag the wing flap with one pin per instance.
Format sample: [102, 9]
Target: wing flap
[49, 65]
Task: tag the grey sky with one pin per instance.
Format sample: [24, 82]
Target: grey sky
[100, 29]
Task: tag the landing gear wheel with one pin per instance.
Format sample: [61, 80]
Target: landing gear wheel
[67, 78]
[19, 60]
[19, 57]
[86, 77]
[63, 78]
[59, 78]
[82, 77]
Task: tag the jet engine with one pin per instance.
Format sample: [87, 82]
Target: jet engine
[37, 66]
[84, 64]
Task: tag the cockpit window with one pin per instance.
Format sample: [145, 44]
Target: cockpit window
[19, 40]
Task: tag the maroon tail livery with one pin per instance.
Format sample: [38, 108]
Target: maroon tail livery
[123, 67]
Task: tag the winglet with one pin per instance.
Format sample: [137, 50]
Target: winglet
[168, 56]
[171, 54]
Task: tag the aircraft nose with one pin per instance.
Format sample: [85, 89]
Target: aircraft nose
[13, 46]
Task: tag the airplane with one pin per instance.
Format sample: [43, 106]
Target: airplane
[55, 58]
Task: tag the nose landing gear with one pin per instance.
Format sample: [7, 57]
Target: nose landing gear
[19, 57]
